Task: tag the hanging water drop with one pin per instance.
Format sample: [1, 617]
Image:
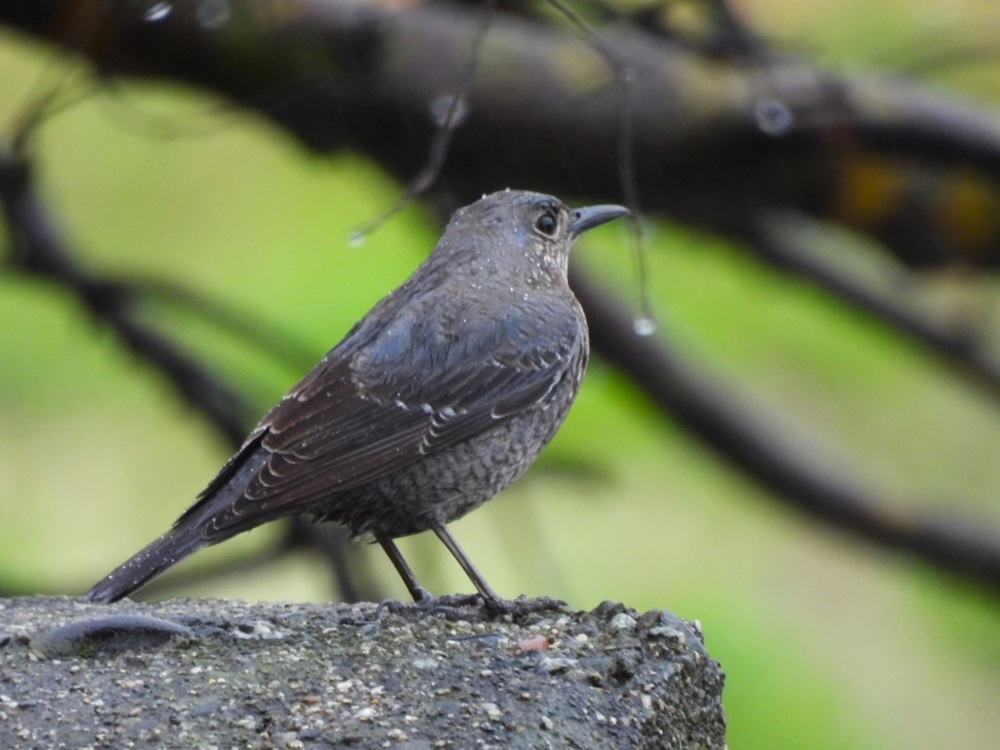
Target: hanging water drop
[157, 12]
[644, 325]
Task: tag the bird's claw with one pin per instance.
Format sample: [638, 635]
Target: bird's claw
[472, 606]
[522, 606]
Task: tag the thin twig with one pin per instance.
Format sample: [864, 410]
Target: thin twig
[454, 117]
[624, 77]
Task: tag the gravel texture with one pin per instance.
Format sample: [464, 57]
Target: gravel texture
[226, 674]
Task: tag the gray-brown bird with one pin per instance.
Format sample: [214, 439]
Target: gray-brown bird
[440, 397]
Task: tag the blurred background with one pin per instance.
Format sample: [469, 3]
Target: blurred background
[827, 640]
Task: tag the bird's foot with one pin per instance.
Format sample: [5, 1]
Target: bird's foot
[521, 606]
[452, 606]
[472, 606]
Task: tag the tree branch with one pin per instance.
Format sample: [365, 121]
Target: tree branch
[787, 464]
[720, 143]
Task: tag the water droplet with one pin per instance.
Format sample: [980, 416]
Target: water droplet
[158, 12]
[644, 325]
[773, 116]
[213, 14]
[445, 106]
[356, 238]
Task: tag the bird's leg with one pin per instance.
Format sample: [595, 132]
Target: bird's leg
[457, 605]
[494, 603]
[488, 594]
[418, 592]
[423, 600]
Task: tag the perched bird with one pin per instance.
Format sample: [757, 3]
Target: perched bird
[435, 401]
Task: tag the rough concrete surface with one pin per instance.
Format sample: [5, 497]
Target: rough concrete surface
[226, 674]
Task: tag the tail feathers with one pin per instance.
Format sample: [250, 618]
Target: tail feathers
[170, 548]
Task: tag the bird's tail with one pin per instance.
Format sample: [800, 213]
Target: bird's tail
[173, 546]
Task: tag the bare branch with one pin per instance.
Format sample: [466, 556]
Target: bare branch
[39, 249]
[750, 440]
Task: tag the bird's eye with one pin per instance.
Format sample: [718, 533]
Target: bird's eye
[547, 224]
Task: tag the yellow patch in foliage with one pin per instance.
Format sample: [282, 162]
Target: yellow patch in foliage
[968, 209]
[869, 189]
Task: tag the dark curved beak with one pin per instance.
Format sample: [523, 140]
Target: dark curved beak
[589, 217]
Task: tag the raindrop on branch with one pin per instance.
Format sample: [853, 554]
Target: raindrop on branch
[213, 14]
[449, 112]
[773, 116]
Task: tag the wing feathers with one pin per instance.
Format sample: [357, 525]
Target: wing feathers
[362, 414]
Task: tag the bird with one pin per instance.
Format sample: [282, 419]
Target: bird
[435, 401]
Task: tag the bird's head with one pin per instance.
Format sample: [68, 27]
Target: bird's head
[520, 235]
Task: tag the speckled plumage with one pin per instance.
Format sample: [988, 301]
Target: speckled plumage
[438, 399]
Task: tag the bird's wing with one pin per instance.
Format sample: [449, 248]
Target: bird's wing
[365, 412]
